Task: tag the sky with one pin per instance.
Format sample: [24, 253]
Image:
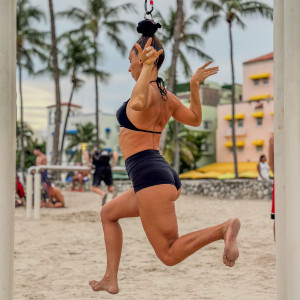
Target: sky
[38, 92]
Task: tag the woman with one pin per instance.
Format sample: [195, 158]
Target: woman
[263, 169]
[155, 184]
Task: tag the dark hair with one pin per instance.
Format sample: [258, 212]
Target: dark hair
[148, 28]
[261, 157]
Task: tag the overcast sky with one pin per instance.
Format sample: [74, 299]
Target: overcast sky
[255, 40]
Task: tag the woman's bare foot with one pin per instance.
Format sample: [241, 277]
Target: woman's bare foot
[231, 251]
[104, 285]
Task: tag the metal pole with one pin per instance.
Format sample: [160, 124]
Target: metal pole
[29, 182]
[279, 150]
[37, 194]
[8, 146]
[292, 146]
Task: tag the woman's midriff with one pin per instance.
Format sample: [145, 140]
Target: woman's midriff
[132, 141]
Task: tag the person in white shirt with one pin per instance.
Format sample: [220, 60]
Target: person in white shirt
[263, 169]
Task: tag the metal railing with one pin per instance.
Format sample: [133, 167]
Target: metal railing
[35, 193]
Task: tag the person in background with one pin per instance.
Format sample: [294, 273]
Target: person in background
[40, 160]
[20, 192]
[271, 162]
[102, 171]
[80, 177]
[56, 199]
[263, 169]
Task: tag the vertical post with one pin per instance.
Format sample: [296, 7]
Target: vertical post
[292, 146]
[279, 150]
[37, 194]
[29, 180]
[8, 146]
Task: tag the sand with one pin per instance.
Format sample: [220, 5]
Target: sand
[56, 256]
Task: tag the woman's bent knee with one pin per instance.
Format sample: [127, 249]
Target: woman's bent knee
[168, 259]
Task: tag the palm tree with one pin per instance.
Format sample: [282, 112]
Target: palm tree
[85, 134]
[25, 132]
[76, 60]
[190, 143]
[29, 42]
[99, 17]
[232, 12]
[175, 31]
[54, 158]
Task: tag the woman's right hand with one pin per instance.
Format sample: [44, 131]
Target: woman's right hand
[148, 55]
[202, 73]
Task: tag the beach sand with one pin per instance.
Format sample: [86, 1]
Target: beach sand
[56, 256]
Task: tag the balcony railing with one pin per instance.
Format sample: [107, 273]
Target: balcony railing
[238, 132]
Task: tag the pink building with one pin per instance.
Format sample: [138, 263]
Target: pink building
[254, 115]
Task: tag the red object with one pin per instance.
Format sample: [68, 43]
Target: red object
[273, 201]
[151, 2]
[80, 190]
[19, 188]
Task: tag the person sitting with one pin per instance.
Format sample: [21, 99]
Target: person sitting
[56, 199]
[80, 177]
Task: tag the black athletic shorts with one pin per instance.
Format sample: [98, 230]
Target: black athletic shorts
[149, 168]
[103, 173]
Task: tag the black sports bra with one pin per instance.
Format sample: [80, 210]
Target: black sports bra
[125, 122]
[121, 112]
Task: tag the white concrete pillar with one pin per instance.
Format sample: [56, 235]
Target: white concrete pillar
[8, 144]
[37, 194]
[29, 184]
[279, 149]
[292, 146]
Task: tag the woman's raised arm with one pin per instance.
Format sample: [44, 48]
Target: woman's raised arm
[193, 116]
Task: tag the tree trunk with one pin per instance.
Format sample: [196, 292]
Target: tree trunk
[65, 125]
[233, 103]
[97, 100]
[54, 158]
[172, 79]
[96, 114]
[22, 154]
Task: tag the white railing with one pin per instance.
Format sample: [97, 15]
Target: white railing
[35, 193]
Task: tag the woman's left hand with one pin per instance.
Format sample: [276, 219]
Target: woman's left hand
[148, 55]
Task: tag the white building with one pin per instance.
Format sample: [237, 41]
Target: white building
[109, 127]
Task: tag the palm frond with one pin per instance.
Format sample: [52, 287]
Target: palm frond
[211, 22]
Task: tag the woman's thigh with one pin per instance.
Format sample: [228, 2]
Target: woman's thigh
[124, 205]
[157, 213]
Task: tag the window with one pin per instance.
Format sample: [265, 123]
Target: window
[265, 80]
[240, 149]
[256, 81]
[230, 123]
[206, 124]
[259, 148]
[207, 148]
[240, 122]
[259, 121]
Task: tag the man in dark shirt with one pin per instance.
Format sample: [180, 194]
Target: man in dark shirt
[100, 161]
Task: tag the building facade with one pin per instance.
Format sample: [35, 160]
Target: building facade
[210, 97]
[109, 127]
[254, 115]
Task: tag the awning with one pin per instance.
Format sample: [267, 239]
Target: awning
[258, 142]
[258, 114]
[260, 97]
[238, 144]
[236, 116]
[260, 76]
[272, 113]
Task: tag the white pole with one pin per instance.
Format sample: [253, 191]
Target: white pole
[7, 149]
[292, 145]
[37, 194]
[29, 182]
[279, 150]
